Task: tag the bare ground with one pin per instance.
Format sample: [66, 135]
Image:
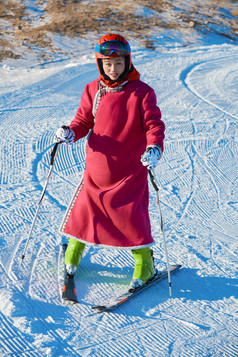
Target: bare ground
[26, 29]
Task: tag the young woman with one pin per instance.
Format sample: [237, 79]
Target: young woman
[110, 205]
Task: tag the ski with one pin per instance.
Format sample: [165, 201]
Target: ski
[69, 293]
[115, 302]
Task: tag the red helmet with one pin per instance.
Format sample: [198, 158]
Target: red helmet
[113, 45]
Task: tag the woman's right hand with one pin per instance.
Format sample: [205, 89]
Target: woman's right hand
[64, 135]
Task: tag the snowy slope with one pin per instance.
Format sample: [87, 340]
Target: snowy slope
[197, 92]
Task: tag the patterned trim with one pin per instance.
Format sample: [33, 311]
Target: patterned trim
[103, 90]
[70, 207]
[108, 246]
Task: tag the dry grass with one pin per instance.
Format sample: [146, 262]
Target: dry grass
[76, 18]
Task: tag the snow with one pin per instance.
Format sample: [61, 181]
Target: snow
[198, 94]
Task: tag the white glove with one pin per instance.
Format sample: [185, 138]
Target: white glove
[64, 135]
[151, 156]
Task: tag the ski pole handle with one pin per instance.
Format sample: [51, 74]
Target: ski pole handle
[152, 179]
[54, 151]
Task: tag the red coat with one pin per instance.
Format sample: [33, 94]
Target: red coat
[110, 206]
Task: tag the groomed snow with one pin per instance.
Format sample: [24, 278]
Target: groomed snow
[197, 92]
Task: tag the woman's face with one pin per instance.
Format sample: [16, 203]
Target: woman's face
[114, 67]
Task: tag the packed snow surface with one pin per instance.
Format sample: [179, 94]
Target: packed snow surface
[197, 91]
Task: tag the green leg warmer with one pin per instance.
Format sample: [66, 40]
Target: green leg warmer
[144, 264]
[74, 252]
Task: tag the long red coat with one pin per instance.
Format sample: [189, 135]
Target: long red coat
[110, 205]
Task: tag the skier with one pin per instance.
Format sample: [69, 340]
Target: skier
[126, 133]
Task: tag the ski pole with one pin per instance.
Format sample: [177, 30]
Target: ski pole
[154, 183]
[53, 155]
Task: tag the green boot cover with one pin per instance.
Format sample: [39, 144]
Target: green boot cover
[144, 264]
[74, 252]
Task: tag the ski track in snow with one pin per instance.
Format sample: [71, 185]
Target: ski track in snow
[198, 94]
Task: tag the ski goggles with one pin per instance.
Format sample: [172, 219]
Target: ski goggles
[108, 47]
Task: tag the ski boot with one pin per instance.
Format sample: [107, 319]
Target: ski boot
[73, 255]
[144, 267]
[72, 258]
